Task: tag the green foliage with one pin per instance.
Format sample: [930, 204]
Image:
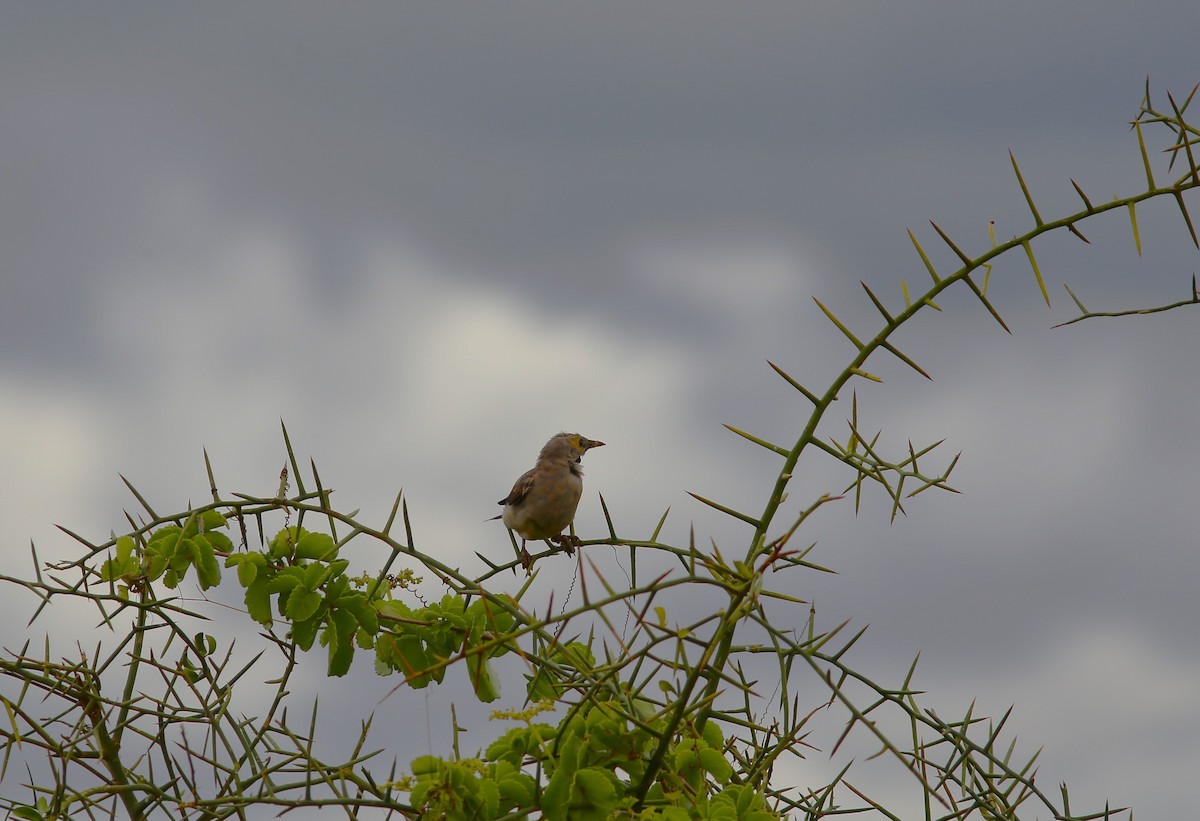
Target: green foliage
[650, 720]
[300, 571]
[169, 553]
[593, 760]
[420, 644]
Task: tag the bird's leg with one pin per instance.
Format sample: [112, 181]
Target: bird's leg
[526, 559]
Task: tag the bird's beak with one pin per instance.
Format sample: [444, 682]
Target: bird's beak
[592, 443]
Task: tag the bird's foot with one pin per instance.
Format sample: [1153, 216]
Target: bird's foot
[567, 542]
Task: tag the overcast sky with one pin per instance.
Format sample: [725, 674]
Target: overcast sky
[429, 236]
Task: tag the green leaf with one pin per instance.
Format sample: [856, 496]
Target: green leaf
[220, 542]
[188, 670]
[486, 688]
[160, 549]
[286, 580]
[168, 534]
[205, 644]
[577, 655]
[742, 803]
[211, 520]
[674, 813]
[360, 607]
[302, 604]
[339, 636]
[336, 587]
[249, 566]
[315, 546]
[539, 686]
[304, 633]
[284, 544]
[125, 546]
[312, 575]
[208, 569]
[555, 800]
[716, 764]
[258, 602]
[425, 765]
[395, 609]
[407, 656]
[119, 568]
[596, 789]
[487, 800]
[335, 572]
[517, 789]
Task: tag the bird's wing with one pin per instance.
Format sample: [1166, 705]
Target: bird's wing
[520, 489]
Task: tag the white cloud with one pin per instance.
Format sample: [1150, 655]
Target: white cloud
[719, 277]
[412, 377]
[53, 445]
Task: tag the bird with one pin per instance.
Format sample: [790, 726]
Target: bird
[542, 503]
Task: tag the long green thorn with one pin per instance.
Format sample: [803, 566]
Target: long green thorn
[287, 441]
[879, 305]
[1036, 271]
[809, 395]
[928, 265]
[323, 498]
[966, 260]
[1137, 238]
[387, 527]
[1078, 304]
[1183, 136]
[858, 480]
[1137, 126]
[408, 533]
[37, 565]
[897, 507]
[1188, 101]
[1025, 190]
[1186, 217]
[995, 315]
[212, 483]
[1087, 203]
[658, 528]
[750, 520]
[888, 346]
[987, 266]
[141, 499]
[487, 561]
[80, 539]
[612, 533]
[757, 441]
[839, 324]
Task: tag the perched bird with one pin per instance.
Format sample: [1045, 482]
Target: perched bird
[542, 503]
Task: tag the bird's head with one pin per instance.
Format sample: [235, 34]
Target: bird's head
[569, 445]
